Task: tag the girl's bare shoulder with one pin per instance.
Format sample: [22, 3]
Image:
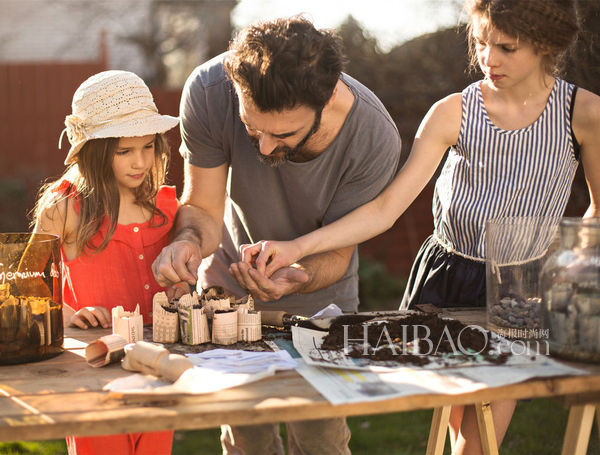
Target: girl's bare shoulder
[57, 214]
[586, 116]
[450, 106]
[444, 118]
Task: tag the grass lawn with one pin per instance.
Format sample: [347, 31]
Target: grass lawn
[537, 428]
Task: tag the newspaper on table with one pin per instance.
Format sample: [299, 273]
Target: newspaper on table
[239, 361]
[213, 370]
[308, 343]
[342, 379]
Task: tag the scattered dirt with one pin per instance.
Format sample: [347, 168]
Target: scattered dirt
[268, 333]
[445, 334]
[435, 337]
[338, 321]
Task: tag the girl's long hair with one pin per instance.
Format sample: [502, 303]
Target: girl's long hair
[91, 180]
[550, 26]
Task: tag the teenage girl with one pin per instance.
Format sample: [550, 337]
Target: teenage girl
[113, 216]
[514, 141]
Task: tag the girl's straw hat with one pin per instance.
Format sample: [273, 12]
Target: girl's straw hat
[112, 104]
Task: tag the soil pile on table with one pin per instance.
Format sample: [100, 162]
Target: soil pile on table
[411, 339]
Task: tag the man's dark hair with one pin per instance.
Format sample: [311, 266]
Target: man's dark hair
[285, 63]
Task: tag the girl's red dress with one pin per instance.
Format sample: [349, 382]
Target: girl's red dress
[121, 275]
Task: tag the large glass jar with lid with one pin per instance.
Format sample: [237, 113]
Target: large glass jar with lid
[570, 284]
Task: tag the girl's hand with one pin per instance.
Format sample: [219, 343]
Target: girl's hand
[268, 256]
[91, 316]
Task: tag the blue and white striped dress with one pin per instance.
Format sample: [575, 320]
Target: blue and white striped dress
[492, 173]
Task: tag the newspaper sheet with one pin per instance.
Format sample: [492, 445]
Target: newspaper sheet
[341, 379]
[215, 370]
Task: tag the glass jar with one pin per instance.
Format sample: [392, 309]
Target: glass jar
[570, 283]
[516, 249]
[31, 322]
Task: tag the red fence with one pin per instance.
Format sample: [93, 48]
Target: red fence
[34, 100]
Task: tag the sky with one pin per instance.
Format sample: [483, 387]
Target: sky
[391, 22]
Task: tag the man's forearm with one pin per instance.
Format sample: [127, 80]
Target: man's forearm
[325, 269]
[196, 225]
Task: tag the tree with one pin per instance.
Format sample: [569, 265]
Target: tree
[582, 62]
[180, 34]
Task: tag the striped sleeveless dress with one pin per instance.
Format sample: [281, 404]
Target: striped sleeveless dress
[491, 173]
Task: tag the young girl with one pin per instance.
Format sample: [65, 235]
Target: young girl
[113, 216]
[515, 139]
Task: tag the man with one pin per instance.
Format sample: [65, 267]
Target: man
[277, 142]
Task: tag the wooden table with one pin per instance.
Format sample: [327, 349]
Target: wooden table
[63, 396]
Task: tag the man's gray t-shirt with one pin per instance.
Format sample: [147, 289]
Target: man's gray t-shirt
[282, 203]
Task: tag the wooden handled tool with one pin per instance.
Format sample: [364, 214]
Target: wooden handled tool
[283, 319]
[280, 318]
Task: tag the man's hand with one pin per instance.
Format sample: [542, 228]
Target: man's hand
[178, 290]
[91, 316]
[269, 256]
[284, 281]
[177, 262]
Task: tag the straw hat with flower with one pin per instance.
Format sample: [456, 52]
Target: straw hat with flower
[112, 104]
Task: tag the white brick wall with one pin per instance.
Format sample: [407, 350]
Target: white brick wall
[70, 30]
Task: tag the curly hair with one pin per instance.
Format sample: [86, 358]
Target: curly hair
[91, 179]
[550, 26]
[285, 63]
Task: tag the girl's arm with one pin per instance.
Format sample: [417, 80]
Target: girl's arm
[36, 254]
[53, 216]
[58, 217]
[438, 131]
[586, 126]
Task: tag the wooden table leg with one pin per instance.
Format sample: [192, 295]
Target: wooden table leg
[598, 418]
[487, 433]
[579, 427]
[439, 428]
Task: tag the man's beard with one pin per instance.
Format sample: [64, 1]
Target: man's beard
[283, 153]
